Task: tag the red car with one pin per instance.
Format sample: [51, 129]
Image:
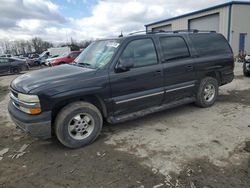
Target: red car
[63, 59]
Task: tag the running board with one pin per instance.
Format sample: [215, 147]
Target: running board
[138, 114]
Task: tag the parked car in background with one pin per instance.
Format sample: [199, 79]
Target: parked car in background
[65, 59]
[58, 51]
[118, 80]
[32, 56]
[246, 65]
[6, 55]
[50, 53]
[12, 65]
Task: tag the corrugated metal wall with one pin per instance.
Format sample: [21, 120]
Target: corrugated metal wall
[210, 22]
[182, 23]
[240, 24]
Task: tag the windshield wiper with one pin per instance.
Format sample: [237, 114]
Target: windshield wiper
[85, 64]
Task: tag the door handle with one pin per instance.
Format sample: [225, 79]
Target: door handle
[158, 72]
[189, 67]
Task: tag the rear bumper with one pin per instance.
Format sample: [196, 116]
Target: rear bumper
[38, 126]
[227, 77]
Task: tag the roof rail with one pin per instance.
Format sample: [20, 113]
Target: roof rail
[182, 31]
[159, 31]
[175, 31]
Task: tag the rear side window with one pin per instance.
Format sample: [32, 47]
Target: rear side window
[174, 48]
[141, 52]
[210, 44]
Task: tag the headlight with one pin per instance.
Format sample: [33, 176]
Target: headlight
[29, 104]
[28, 98]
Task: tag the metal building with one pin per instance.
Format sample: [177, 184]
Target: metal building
[232, 19]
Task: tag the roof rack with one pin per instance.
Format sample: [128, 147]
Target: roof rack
[175, 31]
[193, 31]
[182, 31]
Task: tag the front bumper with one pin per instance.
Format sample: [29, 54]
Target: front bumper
[38, 126]
[227, 77]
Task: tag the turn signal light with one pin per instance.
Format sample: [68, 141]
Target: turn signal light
[35, 110]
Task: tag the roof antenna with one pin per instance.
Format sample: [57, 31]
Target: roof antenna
[121, 35]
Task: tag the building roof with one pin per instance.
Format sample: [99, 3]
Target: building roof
[202, 10]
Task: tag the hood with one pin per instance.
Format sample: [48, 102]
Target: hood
[49, 78]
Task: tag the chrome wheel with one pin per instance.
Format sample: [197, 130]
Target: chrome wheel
[209, 92]
[81, 126]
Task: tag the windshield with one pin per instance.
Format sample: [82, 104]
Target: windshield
[98, 54]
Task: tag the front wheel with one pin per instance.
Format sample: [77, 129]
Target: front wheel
[78, 124]
[207, 92]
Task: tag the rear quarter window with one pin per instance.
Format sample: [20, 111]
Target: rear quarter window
[210, 44]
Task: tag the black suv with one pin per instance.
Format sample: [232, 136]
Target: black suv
[121, 79]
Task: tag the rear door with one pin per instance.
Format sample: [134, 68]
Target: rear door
[178, 67]
[4, 65]
[142, 86]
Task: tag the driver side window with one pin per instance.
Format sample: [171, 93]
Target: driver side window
[141, 52]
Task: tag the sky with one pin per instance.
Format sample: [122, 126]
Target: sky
[61, 20]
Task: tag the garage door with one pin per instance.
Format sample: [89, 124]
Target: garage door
[163, 28]
[210, 23]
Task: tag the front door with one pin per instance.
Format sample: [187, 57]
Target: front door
[141, 86]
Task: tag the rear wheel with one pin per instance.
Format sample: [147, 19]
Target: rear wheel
[78, 124]
[207, 92]
[15, 70]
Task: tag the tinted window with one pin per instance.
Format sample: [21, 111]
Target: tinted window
[3, 61]
[210, 44]
[174, 48]
[141, 52]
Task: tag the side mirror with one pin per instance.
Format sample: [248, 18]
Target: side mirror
[124, 65]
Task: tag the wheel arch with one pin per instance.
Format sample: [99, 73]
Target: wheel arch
[216, 75]
[93, 99]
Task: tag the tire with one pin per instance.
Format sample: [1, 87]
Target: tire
[245, 72]
[207, 92]
[67, 127]
[15, 70]
[61, 63]
[36, 63]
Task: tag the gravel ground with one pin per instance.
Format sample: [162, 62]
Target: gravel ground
[182, 147]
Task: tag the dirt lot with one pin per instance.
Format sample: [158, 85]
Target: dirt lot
[181, 147]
